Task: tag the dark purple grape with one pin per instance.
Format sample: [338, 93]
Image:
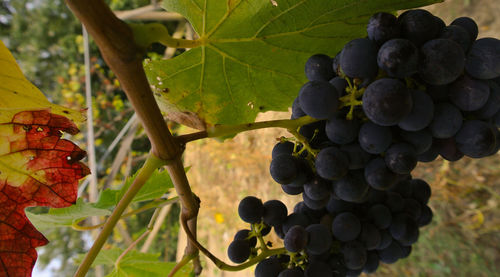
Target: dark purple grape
[378, 175]
[458, 34]
[387, 101]
[268, 267]
[295, 239]
[401, 158]
[374, 138]
[447, 120]
[332, 163]
[239, 251]
[318, 99]
[245, 235]
[341, 130]
[483, 59]
[251, 209]
[476, 138]
[398, 57]
[320, 239]
[469, 25]
[418, 26]
[421, 113]
[275, 213]
[346, 227]
[469, 94]
[358, 59]
[354, 255]
[319, 68]
[380, 215]
[442, 61]
[382, 27]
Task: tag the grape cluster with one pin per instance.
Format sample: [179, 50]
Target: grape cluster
[413, 90]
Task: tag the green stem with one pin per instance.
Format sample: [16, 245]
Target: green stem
[147, 34]
[291, 124]
[225, 130]
[151, 164]
[185, 260]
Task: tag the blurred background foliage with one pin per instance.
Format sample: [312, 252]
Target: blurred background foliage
[46, 39]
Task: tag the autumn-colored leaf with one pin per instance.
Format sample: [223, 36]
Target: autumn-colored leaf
[37, 167]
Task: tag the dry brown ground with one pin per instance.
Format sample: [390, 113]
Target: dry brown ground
[224, 173]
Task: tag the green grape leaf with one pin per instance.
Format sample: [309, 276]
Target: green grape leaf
[156, 186]
[135, 263]
[251, 54]
[65, 217]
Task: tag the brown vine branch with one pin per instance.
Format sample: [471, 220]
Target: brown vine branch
[118, 48]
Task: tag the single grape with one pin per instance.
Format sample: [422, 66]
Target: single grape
[319, 68]
[284, 168]
[318, 188]
[378, 175]
[244, 234]
[251, 209]
[421, 113]
[352, 187]
[421, 191]
[391, 254]
[358, 59]
[357, 156]
[398, 57]
[425, 217]
[387, 101]
[469, 94]
[346, 227]
[447, 120]
[275, 213]
[285, 147]
[380, 215]
[295, 239]
[372, 262]
[458, 34]
[369, 236]
[239, 251]
[268, 267]
[354, 255]
[483, 59]
[341, 130]
[448, 149]
[374, 138]
[418, 26]
[382, 27]
[401, 158]
[320, 239]
[332, 163]
[492, 105]
[469, 25]
[318, 99]
[476, 138]
[442, 61]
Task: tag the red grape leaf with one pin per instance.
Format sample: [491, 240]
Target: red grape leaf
[37, 168]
